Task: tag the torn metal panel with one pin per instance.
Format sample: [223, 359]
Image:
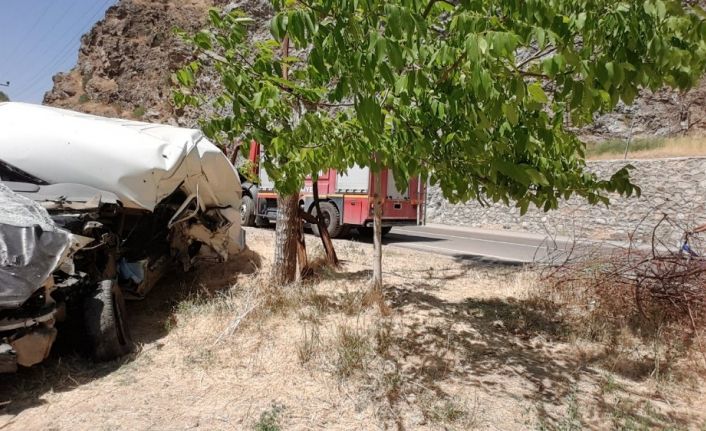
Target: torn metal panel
[31, 247]
[34, 347]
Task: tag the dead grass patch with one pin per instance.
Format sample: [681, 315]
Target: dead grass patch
[649, 148]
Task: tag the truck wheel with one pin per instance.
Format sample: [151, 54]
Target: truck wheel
[332, 219]
[104, 315]
[247, 211]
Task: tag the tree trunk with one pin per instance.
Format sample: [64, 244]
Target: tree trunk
[331, 257]
[377, 228]
[287, 236]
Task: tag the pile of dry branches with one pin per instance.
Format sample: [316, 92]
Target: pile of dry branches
[652, 290]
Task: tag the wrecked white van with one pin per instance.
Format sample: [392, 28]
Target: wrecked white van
[131, 198]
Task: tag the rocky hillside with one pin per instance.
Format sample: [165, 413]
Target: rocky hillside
[126, 61]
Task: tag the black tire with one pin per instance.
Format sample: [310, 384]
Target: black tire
[332, 219]
[106, 327]
[247, 211]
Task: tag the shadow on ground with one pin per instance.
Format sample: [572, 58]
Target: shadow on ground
[482, 340]
[69, 365]
[507, 346]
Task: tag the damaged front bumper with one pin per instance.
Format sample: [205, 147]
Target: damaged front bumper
[27, 341]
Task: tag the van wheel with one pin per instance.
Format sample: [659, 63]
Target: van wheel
[106, 327]
[332, 219]
[247, 211]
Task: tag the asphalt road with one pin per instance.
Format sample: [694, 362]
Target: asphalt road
[477, 244]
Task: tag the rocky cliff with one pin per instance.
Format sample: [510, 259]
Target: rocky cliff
[126, 60]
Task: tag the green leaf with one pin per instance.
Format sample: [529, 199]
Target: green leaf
[515, 172]
[661, 9]
[395, 54]
[536, 176]
[482, 45]
[203, 40]
[536, 93]
[472, 48]
[510, 111]
[185, 77]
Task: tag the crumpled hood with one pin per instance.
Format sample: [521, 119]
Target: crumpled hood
[31, 247]
[141, 163]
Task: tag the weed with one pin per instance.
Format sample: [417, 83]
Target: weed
[572, 420]
[609, 385]
[352, 347]
[270, 419]
[309, 345]
[138, 112]
[629, 415]
[351, 302]
[446, 411]
[383, 338]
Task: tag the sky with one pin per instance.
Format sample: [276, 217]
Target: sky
[39, 38]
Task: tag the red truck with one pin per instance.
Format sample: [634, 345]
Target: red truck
[346, 199]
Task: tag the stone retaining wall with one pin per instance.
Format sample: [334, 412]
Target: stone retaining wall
[675, 187]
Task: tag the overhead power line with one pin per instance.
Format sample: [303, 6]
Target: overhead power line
[30, 30]
[66, 51]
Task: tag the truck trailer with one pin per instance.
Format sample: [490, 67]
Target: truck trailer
[345, 198]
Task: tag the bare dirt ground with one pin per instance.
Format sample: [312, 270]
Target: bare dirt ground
[452, 345]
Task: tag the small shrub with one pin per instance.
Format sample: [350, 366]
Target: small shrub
[270, 419]
[83, 98]
[138, 112]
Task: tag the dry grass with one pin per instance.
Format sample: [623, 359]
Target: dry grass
[446, 345]
[652, 148]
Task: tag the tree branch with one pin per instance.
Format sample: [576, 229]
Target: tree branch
[431, 4]
[447, 72]
[538, 55]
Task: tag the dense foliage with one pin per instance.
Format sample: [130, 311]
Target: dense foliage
[477, 94]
